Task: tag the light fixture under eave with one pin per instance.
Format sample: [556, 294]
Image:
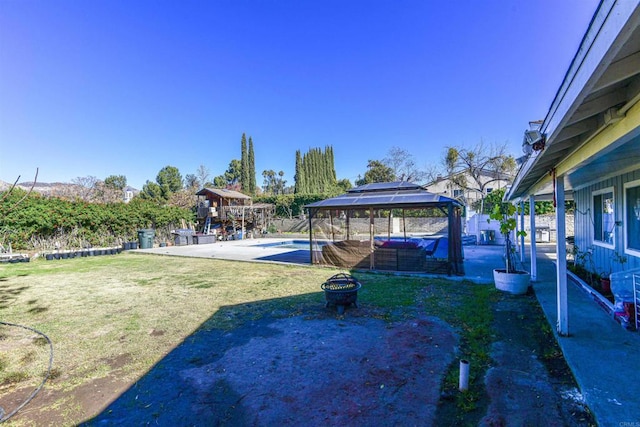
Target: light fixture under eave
[533, 140]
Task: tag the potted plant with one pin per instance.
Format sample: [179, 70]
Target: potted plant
[617, 258]
[509, 279]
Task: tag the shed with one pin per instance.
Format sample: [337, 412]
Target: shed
[396, 226]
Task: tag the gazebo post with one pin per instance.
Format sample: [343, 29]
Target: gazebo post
[348, 213]
[404, 225]
[372, 264]
[333, 234]
[310, 237]
[450, 234]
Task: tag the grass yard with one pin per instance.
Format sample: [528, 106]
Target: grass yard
[116, 316]
[112, 318]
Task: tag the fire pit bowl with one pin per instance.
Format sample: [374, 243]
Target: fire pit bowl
[341, 290]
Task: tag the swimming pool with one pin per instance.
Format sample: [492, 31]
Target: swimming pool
[290, 244]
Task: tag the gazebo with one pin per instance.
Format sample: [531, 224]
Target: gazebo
[394, 226]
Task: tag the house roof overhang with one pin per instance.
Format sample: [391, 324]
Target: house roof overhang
[592, 128]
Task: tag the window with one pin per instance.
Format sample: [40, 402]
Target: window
[603, 217]
[489, 190]
[458, 193]
[632, 216]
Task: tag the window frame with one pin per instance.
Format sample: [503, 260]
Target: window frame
[627, 249]
[603, 243]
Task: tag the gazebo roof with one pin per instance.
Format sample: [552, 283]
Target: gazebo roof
[399, 194]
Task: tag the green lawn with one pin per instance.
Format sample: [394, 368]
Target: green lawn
[136, 308]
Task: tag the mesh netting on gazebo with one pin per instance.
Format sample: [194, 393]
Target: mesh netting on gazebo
[395, 226]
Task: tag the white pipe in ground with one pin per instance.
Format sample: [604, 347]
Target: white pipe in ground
[464, 375]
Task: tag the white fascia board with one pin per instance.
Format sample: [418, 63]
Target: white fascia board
[596, 52]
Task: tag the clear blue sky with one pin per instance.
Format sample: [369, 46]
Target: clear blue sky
[127, 87]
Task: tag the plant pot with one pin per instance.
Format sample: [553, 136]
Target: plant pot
[514, 283]
[605, 282]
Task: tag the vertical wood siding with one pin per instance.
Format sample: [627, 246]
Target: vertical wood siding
[603, 261]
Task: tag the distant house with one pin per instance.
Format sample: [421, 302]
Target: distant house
[588, 149]
[129, 193]
[447, 187]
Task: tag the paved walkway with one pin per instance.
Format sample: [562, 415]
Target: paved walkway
[604, 358]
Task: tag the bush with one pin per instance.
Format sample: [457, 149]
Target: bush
[39, 222]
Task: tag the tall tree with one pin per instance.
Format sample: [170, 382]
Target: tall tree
[299, 176]
[274, 184]
[203, 175]
[315, 171]
[244, 164]
[116, 182]
[403, 165]
[170, 178]
[231, 178]
[252, 169]
[111, 190]
[376, 172]
[152, 191]
[479, 167]
[85, 187]
[191, 181]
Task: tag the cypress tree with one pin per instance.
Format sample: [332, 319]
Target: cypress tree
[252, 169]
[244, 164]
[332, 165]
[299, 177]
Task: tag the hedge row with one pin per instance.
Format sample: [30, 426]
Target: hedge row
[27, 224]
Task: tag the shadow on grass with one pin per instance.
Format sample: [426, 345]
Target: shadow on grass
[9, 293]
[164, 395]
[294, 361]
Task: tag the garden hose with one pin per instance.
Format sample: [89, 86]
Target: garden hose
[4, 417]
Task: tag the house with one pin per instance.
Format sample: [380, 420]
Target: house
[447, 187]
[225, 212]
[128, 193]
[588, 149]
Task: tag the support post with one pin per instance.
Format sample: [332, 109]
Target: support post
[311, 260]
[371, 233]
[532, 226]
[561, 259]
[522, 257]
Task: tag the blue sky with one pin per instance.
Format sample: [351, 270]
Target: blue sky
[127, 87]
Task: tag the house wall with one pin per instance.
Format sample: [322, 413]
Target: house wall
[447, 188]
[598, 258]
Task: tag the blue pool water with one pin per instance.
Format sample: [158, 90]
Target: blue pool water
[289, 244]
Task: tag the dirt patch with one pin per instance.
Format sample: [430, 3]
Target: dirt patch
[297, 371]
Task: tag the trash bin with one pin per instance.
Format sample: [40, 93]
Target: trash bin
[543, 235]
[145, 237]
[487, 237]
